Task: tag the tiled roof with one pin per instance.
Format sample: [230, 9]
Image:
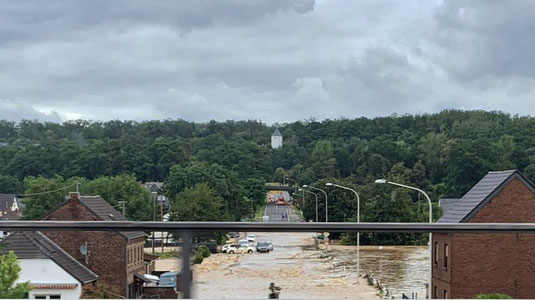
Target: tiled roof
[34, 245]
[157, 184]
[6, 200]
[469, 204]
[276, 132]
[447, 203]
[8, 215]
[105, 212]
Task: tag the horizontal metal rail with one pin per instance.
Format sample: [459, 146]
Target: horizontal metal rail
[268, 227]
[187, 230]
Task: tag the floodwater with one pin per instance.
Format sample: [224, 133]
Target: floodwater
[300, 272]
[401, 269]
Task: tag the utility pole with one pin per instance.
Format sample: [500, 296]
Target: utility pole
[154, 197]
[124, 207]
[161, 214]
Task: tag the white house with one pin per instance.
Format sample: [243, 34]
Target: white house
[52, 273]
[10, 202]
[276, 139]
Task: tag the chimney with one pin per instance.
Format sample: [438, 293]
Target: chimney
[74, 196]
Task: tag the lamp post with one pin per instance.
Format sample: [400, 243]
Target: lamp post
[326, 203]
[382, 181]
[303, 190]
[358, 221]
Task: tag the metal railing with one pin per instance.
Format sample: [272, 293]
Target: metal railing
[187, 230]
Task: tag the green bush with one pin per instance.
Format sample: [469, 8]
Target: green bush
[492, 296]
[204, 251]
[198, 258]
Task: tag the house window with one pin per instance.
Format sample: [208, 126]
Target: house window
[39, 297]
[436, 253]
[435, 292]
[55, 296]
[446, 254]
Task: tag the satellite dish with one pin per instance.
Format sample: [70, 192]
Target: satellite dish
[83, 249]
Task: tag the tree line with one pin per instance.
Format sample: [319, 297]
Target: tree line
[224, 165]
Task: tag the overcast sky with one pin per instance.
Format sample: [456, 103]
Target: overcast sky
[273, 60]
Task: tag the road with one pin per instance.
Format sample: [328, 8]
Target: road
[277, 213]
[294, 265]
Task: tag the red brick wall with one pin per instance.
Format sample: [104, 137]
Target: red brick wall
[497, 263]
[107, 249]
[441, 273]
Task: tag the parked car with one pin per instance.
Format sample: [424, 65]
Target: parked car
[264, 246]
[251, 238]
[227, 247]
[245, 249]
[212, 246]
[243, 242]
[234, 234]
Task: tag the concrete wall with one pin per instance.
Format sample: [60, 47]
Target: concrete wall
[47, 271]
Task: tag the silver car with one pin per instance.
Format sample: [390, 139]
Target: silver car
[264, 246]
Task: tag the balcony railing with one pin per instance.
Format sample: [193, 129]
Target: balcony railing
[187, 230]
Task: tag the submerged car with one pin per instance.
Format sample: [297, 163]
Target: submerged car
[264, 246]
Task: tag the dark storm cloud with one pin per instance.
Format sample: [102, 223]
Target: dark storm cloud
[272, 60]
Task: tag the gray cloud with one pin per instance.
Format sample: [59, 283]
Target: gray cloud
[272, 60]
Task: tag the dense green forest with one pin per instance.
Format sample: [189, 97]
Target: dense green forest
[229, 162]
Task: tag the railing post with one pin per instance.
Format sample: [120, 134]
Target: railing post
[185, 288]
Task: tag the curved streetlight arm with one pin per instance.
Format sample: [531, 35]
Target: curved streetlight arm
[326, 204]
[419, 190]
[316, 201]
[356, 194]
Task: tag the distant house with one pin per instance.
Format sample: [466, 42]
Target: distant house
[465, 265]
[11, 202]
[53, 274]
[116, 257]
[10, 210]
[154, 187]
[3, 144]
[276, 139]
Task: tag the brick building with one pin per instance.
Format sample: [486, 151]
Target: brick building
[465, 265]
[116, 257]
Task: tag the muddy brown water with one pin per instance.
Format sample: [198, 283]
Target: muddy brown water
[401, 269]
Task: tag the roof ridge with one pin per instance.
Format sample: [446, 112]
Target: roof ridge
[65, 253]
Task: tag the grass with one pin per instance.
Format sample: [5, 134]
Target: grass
[167, 255]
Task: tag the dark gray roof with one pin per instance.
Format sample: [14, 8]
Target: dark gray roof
[6, 200]
[8, 215]
[447, 203]
[463, 209]
[34, 245]
[276, 132]
[105, 212]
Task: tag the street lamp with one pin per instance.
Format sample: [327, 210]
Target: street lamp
[303, 190]
[326, 203]
[382, 181]
[358, 221]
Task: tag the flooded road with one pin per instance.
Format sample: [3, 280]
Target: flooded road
[301, 271]
[401, 269]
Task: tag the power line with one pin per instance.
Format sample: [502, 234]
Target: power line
[48, 192]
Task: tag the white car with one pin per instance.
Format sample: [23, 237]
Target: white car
[226, 247]
[251, 238]
[231, 249]
[246, 249]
